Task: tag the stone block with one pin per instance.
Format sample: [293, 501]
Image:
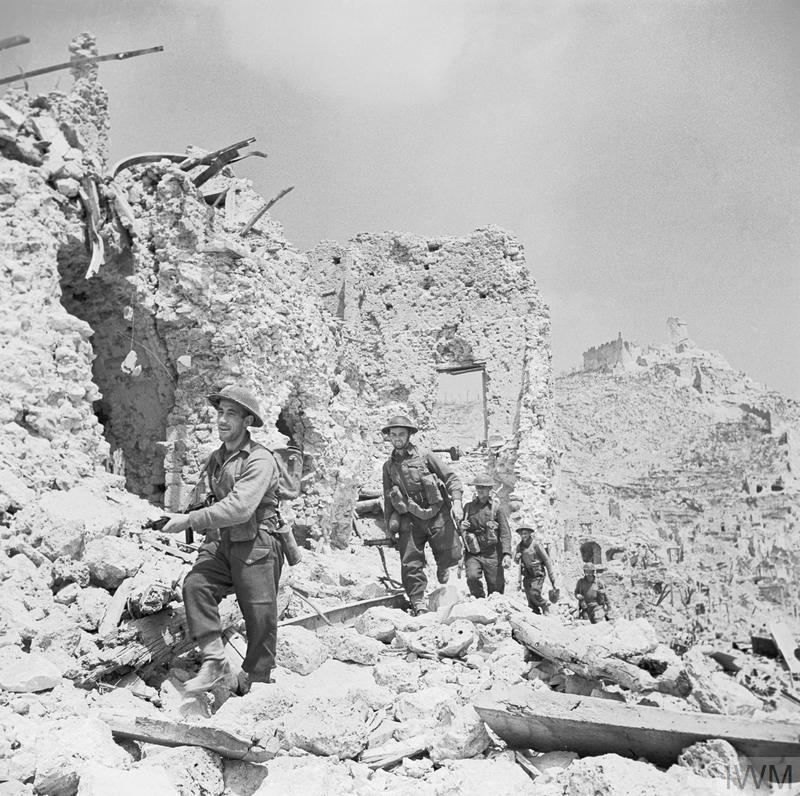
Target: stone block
[429, 705]
[397, 675]
[299, 650]
[242, 779]
[92, 604]
[110, 560]
[335, 727]
[97, 779]
[345, 644]
[460, 734]
[193, 771]
[498, 777]
[376, 623]
[314, 776]
[28, 673]
[256, 713]
[450, 641]
[479, 612]
[713, 758]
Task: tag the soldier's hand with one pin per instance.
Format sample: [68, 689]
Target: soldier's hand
[176, 524]
[492, 525]
[464, 525]
[506, 561]
[458, 508]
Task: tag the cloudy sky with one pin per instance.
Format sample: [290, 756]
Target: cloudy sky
[645, 153]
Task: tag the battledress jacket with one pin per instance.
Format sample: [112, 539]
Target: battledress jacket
[535, 561]
[478, 515]
[408, 468]
[244, 482]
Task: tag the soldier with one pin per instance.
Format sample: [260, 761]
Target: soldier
[534, 562]
[244, 556]
[420, 496]
[488, 540]
[592, 599]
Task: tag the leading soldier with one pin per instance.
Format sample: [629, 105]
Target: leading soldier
[420, 496]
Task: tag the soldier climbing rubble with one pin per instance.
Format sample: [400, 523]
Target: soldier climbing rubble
[534, 562]
[592, 599]
[421, 496]
[487, 540]
[242, 552]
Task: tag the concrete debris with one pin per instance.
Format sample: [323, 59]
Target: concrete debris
[348, 645]
[191, 770]
[110, 560]
[461, 733]
[335, 727]
[103, 421]
[98, 779]
[300, 650]
[377, 623]
[447, 641]
[27, 673]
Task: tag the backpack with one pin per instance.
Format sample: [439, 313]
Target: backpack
[289, 463]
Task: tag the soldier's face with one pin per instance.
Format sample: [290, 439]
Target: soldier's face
[525, 537]
[483, 493]
[399, 436]
[231, 421]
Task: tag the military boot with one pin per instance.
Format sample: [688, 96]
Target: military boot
[213, 671]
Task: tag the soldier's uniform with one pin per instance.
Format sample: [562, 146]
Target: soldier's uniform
[418, 489]
[488, 533]
[534, 562]
[592, 598]
[241, 554]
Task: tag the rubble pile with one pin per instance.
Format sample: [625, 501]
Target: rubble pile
[129, 292]
[381, 704]
[679, 475]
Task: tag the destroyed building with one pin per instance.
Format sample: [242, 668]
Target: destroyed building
[129, 291]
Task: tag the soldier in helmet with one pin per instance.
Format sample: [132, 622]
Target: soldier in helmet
[534, 562]
[591, 593]
[488, 540]
[243, 555]
[420, 496]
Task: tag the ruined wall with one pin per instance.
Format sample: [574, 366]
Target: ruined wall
[617, 353]
[177, 302]
[50, 145]
[408, 307]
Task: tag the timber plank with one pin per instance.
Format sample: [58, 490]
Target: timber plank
[174, 733]
[548, 721]
[786, 645]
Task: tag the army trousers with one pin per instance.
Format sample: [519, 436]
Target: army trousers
[594, 612]
[532, 585]
[414, 535]
[478, 567]
[251, 570]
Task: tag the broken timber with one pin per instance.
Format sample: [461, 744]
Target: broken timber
[92, 59]
[784, 641]
[548, 721]
[173, 733]
[341, 613]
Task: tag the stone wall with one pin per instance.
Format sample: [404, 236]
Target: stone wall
[49, 146]
[409, 307]
[182, 303]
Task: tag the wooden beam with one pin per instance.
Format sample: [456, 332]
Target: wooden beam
[13, 41]
[91, 59]
[527, 718]
[786, 645]
[174, 733]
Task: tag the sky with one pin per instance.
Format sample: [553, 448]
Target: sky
[646, 154]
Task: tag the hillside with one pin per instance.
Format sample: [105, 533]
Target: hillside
[672, 450]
